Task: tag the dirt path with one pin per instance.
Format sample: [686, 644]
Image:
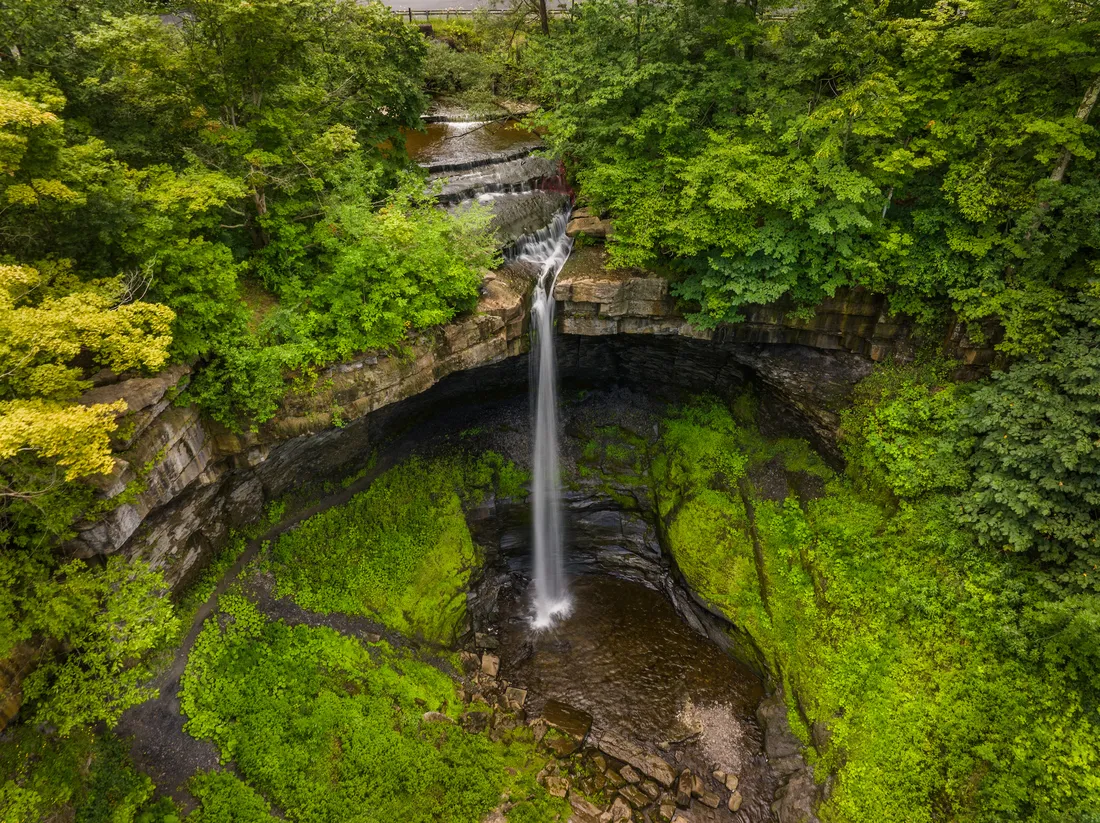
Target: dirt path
[160, 747]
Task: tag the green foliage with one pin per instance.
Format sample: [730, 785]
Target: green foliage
[1036, 459]
[261, 141]
[481, 58]
[911, 148]
[224, 798]
[407, 265]
[952, 686]
[903, 431]
[329, 729]
[87, 778]
[111, 619]
[400, 551]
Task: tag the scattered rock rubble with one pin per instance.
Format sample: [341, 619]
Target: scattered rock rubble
[605, 779]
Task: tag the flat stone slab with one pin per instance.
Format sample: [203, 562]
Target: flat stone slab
[647, 763]
[567, 719]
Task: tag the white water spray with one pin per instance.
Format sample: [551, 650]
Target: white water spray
[548, 249]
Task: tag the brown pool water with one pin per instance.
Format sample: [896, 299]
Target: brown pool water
[461, 142]
[626, 658]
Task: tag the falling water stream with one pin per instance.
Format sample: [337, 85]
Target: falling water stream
[548, 249]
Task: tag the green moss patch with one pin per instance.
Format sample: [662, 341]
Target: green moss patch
[935, 665]
[399, 552]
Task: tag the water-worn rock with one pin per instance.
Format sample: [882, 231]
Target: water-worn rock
[582, 810]
[620, 810]
[436, 717]
[684, 788]
[647, 763]
[490, 664]
[709, 798]
[798, 795]
[796, 801]
[515, 697]
[557, 786]
[567, 719]
[629, 775]
[735, 801]
[582, 221]
[634, 796]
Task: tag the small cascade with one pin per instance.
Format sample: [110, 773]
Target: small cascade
[548, 249]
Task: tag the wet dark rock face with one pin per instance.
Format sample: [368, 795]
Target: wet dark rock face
[216, 480]
[641, 655]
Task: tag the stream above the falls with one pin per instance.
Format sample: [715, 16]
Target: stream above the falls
[467, 141]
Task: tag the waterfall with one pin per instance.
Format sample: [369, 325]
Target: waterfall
[548, 249]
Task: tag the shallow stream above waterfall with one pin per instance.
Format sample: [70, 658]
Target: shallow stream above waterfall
[467, 142]
[491, 162]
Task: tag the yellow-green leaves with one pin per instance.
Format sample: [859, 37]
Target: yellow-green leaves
[40, 338]
[76, 437]
[43, 331]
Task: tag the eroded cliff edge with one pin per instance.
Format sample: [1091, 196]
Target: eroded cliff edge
[181, 482]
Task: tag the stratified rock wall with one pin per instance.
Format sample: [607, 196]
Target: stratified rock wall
[181, 482]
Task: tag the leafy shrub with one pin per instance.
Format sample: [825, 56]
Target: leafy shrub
[903, 431]
[1036, 459]
[225, 799]
[450, 71]
[330, 729]
[83, 777]
[110, 620]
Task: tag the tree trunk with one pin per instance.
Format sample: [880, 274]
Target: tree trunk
[544, 18]
[1059, 173]
[1083, 112]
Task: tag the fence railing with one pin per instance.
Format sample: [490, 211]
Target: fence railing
[446, 14]
[779, 15]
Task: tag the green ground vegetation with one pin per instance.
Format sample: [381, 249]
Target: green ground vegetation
[331, 729]
[84, 777]
[937, 679]
[399, 552]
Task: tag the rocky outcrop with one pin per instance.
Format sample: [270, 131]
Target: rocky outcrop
[582, 222]
[519, 175]
[798, 795]
[200, 479]
[596, 300]
[16, 666]
[181, 482]
[807, 364]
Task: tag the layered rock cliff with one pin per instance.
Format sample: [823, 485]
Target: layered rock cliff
[181, 482]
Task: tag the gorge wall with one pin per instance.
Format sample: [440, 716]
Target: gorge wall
[181, 482]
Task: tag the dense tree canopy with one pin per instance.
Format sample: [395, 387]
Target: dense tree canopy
[938, 152]
[223, 184]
